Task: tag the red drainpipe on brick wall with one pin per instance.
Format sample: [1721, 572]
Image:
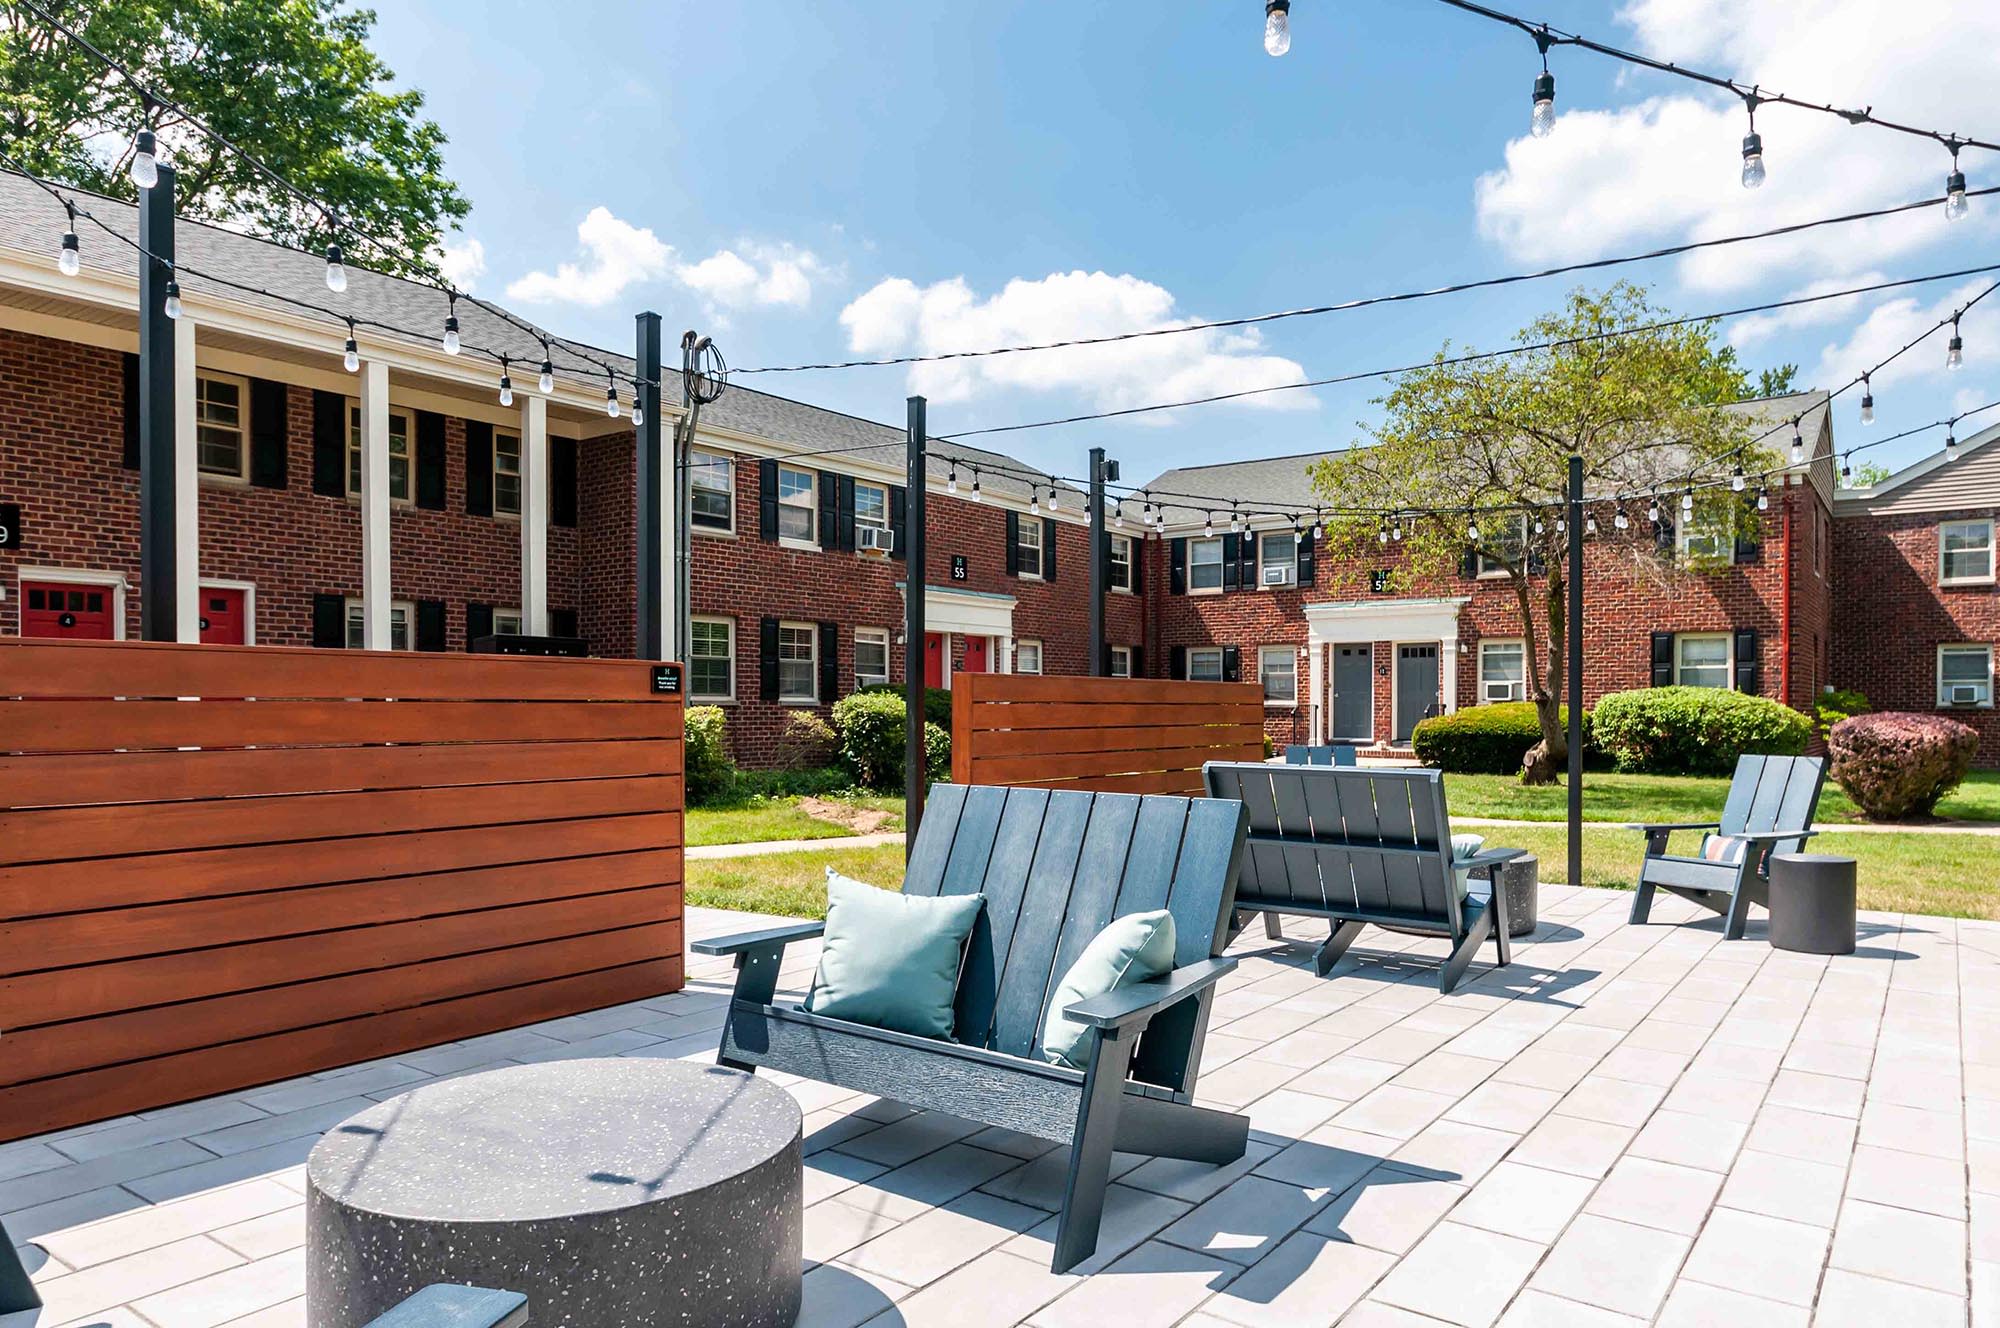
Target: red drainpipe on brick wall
[1785, 614]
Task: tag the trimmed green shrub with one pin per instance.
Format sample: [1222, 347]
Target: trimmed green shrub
[807, 741]
[709, 769]
[1695, 730]
[869, 730]
[937, 754]
[1485, 739]
[1898, 766]
[937, 701]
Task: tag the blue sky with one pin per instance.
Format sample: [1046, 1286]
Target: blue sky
[807, 182]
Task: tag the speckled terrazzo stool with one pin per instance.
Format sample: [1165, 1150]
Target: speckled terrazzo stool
[612, 1192]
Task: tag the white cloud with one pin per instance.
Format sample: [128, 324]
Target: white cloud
[617, 254]
[1666, 168]
[760, 275]
[462, 263]
[899, 317]
[1894, 323]
[1752, 328]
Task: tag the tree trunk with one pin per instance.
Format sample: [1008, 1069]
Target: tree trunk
[1546, 761]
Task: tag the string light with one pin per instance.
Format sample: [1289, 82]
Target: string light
[1235, 520]
[1687, 501]
[1054, 505]
[450, 342]
[1763, 499]
[611, 397]
[70, 259]
[547, 381]
[1382, 531]
[951, 480]
[1954, 188]
[1208, 524]
[975, 486]
[638, 404]
[1846, 471]
[1867, 401]
[1590, 523]
[1395, 531]
[1277, 27]
[1619, 519]
[1472, 530]
[1798, 443]
[145, 161]
[1117, 514]
[1951, 446]
[336, 269]
[1034, 500]
[506, 383]
[1540, 525]
[1753, 148]
[1736, 480]
[1543, 122]
[1954, 352]
[172, 306]
[350, 354]
[1653, 511]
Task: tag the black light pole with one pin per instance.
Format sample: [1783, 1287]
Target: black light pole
[1575, 643]
[650, 642]
[159, 593]
[1101, 471]
[915, 482]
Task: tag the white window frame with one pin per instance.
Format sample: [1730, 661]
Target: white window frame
[700, 458]
[353, 459]
[1487, 569]
[1192, 546]
[1022, 647]
[240, 475]
[1519, 644]
[1684, 534]
[406, 607]
[811, 695]
[1029, 541]
[1263, 560]
[728, 626]
[1964, 647]
[859, 520]
[500, 509]
[1113, 564]
[809, 505]
[873, 636]
[249, 589]
[1728, 658]
[1291, 656]
[1991, 551]
[1203, 652]
[501, 619]
[1121, 661]
[70, 576]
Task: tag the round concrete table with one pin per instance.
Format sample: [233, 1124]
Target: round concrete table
[616, 1192]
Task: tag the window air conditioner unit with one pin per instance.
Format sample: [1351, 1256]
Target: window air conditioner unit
[1498, 691]
[875, 539]
[1965, 693]
[1277, 576]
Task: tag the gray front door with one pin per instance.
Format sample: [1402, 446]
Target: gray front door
[1353, 693]
[1416, 686]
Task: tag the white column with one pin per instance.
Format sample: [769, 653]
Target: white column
[1448, 652]
[375, 594]
[1004, 646]
[535, 515]
[1316, 682]
[187, 492]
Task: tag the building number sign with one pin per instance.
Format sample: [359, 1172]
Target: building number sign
[959, 570]
[10, 525]
[1378, 581]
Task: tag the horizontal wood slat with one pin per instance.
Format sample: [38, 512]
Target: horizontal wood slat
[364, 853]
[1128, 735]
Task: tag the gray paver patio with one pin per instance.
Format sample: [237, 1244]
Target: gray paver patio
[1627, 1126]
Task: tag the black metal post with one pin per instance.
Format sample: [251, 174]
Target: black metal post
[681, 630]
[1575, 642]
[915, 481]
[1099, 556]
[158, 589]
[650, 641]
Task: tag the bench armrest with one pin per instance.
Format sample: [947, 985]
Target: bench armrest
[1772, 836]
[1491, 857]
[770, 938]
[1142, 1000]
[1650, 826]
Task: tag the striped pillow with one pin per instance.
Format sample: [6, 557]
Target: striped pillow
[1722, 848]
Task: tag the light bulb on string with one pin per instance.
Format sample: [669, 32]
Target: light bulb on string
[1540, 525]
[1867, 401]
[1208, 524]
[638, 404]
[1846, 471]
[1951, 446]
[1687, 501]
[1562, 526]
[1543, 121]
[975, 486]
[1381, 532]
[1235, 520]
[69, 260]
[611, 398]
[1798, 443]
[547, 382]
[1396, 531]
[1118, 514]
[1753, 149]
[1590, 523]
[1954, 351]
[145, 159]
[951, 479]
[171, 307]
[336, 268]
[1319, 527]
[1763, 499]
[1277, 27]
[506, 384]
[1055, 505]
[1736, 479]
[1954, 188]
[1034, 500]
[350, 354]
[1653, 510]
[1472, 530]
[1619, 519]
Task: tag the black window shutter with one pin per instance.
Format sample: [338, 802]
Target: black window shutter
[1138, 565]
[767, 657]
[1247, 552]
[1663, 659]
[767, 500]
[478, 622]
[562, 622]
[847, 513]
[131, 457]
[1177, 568]
[1663, 536]
[478, 468]
[1048, 548]
[1468, 562]
[1232, 564]
[329, 622]
[1138, 661]
[829, 663]
[430, 463]
[898, 521]
[270, 434]
[1232, 664]
[562, 484]
[1308, 560]
[1749, 544]
[1746, 660]
[329, 444]
[1013, 544]
[828, 489]
[1177, 662]
[430, 624]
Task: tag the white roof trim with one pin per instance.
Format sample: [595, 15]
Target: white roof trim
[1917, 470]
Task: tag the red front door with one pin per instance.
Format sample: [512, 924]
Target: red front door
[81, 613]
[221, 617]
[933, 659]
[975, 656]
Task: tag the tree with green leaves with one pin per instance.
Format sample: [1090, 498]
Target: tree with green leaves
[291, 82]
[1484, 446]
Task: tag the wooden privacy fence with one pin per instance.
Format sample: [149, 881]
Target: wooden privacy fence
[1117, 735]
[226, 865]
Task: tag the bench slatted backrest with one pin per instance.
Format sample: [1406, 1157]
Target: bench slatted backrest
[1773, 793]
[1056, 866]
[1356, 839]
[1337, 754]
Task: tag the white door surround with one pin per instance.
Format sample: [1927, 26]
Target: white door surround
[949, 613]
[1396, 621]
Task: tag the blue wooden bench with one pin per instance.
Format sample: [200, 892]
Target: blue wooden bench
[1055, 868]
[1769, 810]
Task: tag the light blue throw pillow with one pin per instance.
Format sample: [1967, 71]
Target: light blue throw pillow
[1135, 948]
[891, 960]
[1463, 848]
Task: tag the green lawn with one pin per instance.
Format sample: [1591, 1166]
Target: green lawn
[762, 818]
[788, 884]
[1615, 797]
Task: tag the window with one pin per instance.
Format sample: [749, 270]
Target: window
[1503, 670]
[1121, 661]
[798, 504]
[1028, 550]
[1027, 657]
[1204, 665]
[712, 659]
[1508, 538]
[1279, 549]
[871, 656]
[506, 622]
[1706, 536]
[871, 506]
[401, 614]
[798, 662]
[1205, 567]
[1118, 571]
[399, 456]
[1278, 668]
[506, 474]
[1965, 553]
[1965, 675]
[220, 417]
[712, 491]
[1702, 661]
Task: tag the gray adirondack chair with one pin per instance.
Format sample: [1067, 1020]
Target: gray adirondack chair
[17, 1292]
[1055, 867]
[1337, 754]
[1769, 810]
[1358, 846]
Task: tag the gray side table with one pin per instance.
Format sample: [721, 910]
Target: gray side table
[1812, 903]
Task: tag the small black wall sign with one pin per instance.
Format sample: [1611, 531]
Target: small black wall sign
[1378, 581]
[667, 679]
[10, 525]
[959, 570]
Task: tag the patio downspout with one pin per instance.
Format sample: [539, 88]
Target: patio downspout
[1785, 612]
